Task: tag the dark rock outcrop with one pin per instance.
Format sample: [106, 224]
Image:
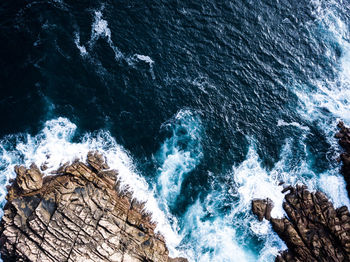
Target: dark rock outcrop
[313, 231]
[344, 140]
[79, 214]
[262, 208]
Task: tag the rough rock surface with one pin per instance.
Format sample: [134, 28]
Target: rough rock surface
[79, 214]
[313, 231]
[344, 140]
[29, 179]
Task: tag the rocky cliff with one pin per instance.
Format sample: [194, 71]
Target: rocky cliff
[78, 214]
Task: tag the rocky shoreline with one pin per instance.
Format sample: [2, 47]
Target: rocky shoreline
[313, 229]
[344, 141]
[78, 214]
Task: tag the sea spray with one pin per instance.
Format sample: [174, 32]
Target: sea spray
[211, 235]
[54, 146]
[328, 100]
[179, 154]
[220, 225]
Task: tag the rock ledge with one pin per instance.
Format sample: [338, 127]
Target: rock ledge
[79, 214]
[313, 231]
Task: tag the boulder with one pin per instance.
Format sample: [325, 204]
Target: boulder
[262, 208]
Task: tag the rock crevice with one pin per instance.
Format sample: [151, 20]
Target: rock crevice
[78, 214]
[313, 229]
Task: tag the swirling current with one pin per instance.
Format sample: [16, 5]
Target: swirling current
[201, 105]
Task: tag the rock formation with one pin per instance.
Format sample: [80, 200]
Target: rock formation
[78, 214]
[313, 231]
[344, 140]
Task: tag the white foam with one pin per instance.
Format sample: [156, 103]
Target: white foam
[213, 239]
[145, 58]
[81, 48]
[218, 236]
[100, 26]
[260, 228]
[53, 146]
[179, 154]
[255, 182]
[332, 95]
[334, 186]
[100, 29]
[281, 122]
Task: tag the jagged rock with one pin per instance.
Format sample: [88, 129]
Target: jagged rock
[313, 231]
[177, 259]
[97, 161]
[28, 180]
[44, 167]
[80, 214]
[262, 208]
[344, 140]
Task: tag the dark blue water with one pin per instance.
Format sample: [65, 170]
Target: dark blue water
[202, 106]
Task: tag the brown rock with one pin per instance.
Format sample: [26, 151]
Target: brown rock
[97, 161]
[343, 137]
[28, 180]
[262, 208]
[78, 215]
[314, 230]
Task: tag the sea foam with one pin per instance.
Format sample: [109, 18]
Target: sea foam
[54, 146]
[100, 30]
[330, 100]
[179, 154]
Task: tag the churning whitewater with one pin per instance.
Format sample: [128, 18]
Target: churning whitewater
[201, 107]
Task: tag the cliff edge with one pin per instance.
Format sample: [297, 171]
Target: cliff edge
[78, 214]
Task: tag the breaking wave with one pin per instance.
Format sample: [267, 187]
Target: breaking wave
[55, 145]
[179, 154]
[214, 234]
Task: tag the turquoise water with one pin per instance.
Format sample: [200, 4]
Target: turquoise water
[201, 106]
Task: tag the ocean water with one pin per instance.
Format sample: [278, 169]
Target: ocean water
[201, 105]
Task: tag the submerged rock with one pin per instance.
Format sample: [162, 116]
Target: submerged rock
[313, 229]
[80, 214]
